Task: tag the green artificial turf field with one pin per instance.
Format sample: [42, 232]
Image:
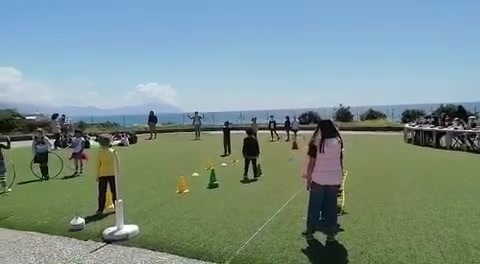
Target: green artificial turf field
[405, 204]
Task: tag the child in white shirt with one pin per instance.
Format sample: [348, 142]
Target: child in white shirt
[78, 155]
[295, 127]
[124, 141]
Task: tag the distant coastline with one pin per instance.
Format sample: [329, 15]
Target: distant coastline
[393, 113]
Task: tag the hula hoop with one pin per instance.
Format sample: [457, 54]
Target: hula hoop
[342, 204]
[13, 177]
[39, 176]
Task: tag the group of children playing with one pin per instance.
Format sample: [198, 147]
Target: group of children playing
[42, 146]
[251, 148]
[323, 171]
[288, 126]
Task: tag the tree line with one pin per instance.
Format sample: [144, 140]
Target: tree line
[343, 114]
[13, 121]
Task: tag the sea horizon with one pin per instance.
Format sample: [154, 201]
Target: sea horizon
[393, 113]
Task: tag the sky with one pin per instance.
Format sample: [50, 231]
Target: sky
[219, 55]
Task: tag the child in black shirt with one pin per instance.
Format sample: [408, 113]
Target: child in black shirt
[250, 151]
[288, 126]
[272, 126]
[227, 146]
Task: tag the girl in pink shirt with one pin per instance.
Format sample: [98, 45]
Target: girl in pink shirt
[324, 177]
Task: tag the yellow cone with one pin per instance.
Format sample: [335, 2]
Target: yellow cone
[109, 201]
[182, 186]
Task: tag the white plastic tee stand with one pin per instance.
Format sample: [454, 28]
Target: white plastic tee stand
[120, 231]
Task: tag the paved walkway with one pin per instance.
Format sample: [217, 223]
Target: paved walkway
[19, 247]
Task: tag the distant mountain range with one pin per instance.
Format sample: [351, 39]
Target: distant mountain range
[91, 110]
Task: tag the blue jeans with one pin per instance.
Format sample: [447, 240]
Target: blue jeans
[323, 199]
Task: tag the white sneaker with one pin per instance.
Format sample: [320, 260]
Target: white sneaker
[8, 190]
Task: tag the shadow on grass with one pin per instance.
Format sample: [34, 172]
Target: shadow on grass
[97, 217]
[29, 181]
[332, 253]
[68, 177]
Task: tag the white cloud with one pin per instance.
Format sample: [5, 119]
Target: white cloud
[9, 75]
[15, 88]
[152, 93]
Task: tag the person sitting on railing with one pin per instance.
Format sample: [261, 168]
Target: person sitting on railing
[442, 120]
[448, 122]
[437, 123]
[458, 123]
[472, 122]
[472, 137]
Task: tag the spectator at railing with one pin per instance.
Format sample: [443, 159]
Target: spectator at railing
[472, 122]
[458, 123]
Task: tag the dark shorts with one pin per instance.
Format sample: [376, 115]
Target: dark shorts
[3, 167]
[40, 158]
[197, 127]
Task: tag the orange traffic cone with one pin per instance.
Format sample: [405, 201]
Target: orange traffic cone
[182, 186]
[109, 205]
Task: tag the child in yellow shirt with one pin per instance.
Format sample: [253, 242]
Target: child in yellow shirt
[105, 171]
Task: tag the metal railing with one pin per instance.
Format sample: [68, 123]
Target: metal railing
[218, 118]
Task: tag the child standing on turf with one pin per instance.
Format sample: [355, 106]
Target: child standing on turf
[272, 126]
[105, 172]
[288, 126]
[3, 166]
[324, 177]
[295, 127]
[251, 152]
[254, 127]
[197, 124]
[78, 146]
[227, 146]
[41, 147]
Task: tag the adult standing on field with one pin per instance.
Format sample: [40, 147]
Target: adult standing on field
[152, 124]
[197, 123]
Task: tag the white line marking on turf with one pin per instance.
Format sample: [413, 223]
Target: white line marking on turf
[264, 225]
